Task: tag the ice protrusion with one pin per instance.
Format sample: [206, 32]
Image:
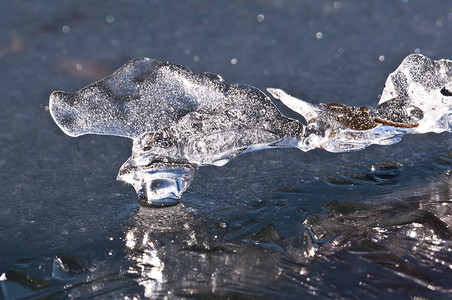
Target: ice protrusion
[308, 110]
[180, 120]
[339, 128]
[158, 180]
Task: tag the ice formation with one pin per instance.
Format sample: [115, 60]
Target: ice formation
[179, 120]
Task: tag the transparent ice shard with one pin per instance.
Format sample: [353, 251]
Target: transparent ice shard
[179, 120]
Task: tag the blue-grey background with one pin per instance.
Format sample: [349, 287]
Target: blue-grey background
[255, 227]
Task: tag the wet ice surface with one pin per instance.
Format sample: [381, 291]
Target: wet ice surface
[219, 243]
[179, 120]
[388, 244]
[62, 208]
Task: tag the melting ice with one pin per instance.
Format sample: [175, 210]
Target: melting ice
[179, 120]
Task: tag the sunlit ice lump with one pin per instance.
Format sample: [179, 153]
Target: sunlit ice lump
[180, 120]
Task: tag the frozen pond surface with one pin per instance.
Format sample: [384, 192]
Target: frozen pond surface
[275, 223]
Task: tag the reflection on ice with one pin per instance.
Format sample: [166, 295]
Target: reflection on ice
[148, 267]
[179, 120]
[395, 245]
[409, 238]
[388, 247]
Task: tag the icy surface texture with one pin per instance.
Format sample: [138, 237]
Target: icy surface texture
[150, 96]
[425, 84]
[179, 120]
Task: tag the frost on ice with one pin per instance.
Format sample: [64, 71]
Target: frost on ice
[179, 120]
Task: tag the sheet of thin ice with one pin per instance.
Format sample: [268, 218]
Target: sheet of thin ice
[179, 120]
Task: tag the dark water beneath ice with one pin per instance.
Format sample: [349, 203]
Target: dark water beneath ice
[270, 224]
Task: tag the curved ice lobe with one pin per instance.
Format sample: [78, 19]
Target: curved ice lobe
[146, 95]
[423, 83]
